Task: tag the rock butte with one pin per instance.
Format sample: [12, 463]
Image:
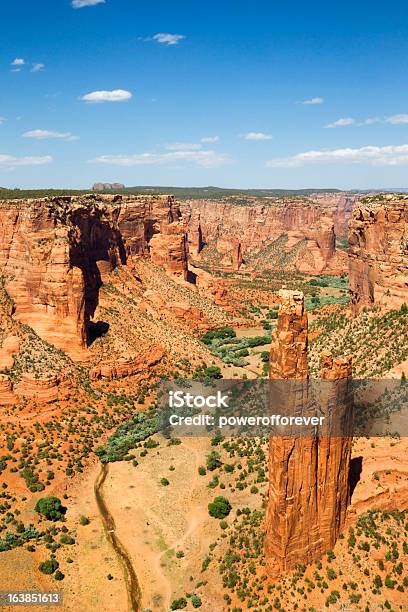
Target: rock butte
[308, 475]
[55, 254]
[378, 252]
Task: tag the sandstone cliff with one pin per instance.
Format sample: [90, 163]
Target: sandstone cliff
[378, 252]
[238, 233]
[56, 253]
[308, 474]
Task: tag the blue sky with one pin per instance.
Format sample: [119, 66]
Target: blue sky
[228, 93]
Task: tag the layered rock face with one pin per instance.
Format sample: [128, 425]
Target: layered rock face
[42, 389]
[378, 252]
[55, 254]
[127, 366]
[308, 474]
[342, 205]
[237, 232]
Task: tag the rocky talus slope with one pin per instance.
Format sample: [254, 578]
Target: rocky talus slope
[378, 252]
[308, 475]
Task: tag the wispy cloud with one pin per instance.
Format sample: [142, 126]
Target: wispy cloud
[393, 119]
[76, 4]
[37, 67]
[369, 121]
[9, 161]
[168, 39]
[390, 155]
[2, 120]
[18, 61]
[397, 119]
[313, 101]
[203, 158]
[43, 134]
[184, 146]
[116, 95]
[210, 139]
[341, 122]
[256, 136]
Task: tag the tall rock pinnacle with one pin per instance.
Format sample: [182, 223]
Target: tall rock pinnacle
[308, 473]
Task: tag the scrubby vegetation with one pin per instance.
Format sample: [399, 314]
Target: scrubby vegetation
[118, 445]
[224, 344]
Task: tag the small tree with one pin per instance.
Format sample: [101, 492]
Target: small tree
[49, 566]
[51, 508]
[213, 461]
[219, 508]
[179, 604]
[196, 601]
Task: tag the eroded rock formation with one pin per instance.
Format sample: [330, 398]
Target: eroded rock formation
[127, 365]
[378, 252]
[43, 389]
[238, 232]
[55, 254]
[155, 303]
[308, 474]
[7, 397]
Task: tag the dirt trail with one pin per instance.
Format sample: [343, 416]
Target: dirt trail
[132, 583]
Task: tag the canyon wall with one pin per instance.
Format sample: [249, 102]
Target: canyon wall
[378, 252]
[308, 474]
[237, 232]
[55, 254]
[342, 205]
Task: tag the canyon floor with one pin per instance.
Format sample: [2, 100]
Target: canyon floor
[149, 325]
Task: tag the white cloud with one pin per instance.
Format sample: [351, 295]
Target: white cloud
[18, 62]
[397, 119]
[168, 39]
[256, 136]
[391, 155]
[184, 146]
[9, 161]
[210, 139]
[205, 159]
[116, 95]
[37, 67]
[76, 4]
[370, 121]
[42, 134]
[340, 122]
[313, 101]
[2, 120]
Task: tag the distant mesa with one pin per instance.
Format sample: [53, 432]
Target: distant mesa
[108, 186]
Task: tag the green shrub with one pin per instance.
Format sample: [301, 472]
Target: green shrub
[213, 461]
[51, 508]
[178, 604]
[221, 333]
[49, 566]
[219, 508]
[196, 601]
